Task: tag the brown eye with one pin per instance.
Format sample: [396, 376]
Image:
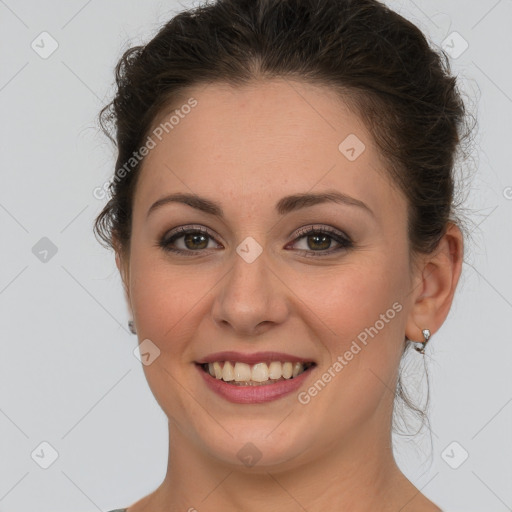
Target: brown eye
[319, 240]
[194, 241]
[185, 240]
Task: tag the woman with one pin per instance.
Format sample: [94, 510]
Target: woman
[282, 219]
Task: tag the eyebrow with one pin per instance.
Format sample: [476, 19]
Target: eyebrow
[283, 206]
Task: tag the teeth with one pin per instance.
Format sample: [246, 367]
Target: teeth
[275, 370]
[259, 372]
[217, 371]
[236, 372]
[228, 373]
[242, 372]
[287, 370]
[297, 367]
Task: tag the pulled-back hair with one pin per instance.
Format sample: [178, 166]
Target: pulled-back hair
[380, 63]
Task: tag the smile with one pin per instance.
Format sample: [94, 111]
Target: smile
[258, 374]
[242, 383]
[263, 373]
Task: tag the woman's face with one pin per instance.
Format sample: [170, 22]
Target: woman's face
[251, 282]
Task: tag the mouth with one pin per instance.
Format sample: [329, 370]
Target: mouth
[263, 373]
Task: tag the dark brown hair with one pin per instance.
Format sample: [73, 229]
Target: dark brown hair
[380, 63]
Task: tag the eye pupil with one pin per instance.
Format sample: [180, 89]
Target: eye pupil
[195, 238]
[324, 244]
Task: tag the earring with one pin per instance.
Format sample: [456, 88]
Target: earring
[426, 336]
[131, 326]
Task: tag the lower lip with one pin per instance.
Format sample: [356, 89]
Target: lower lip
[254, 394]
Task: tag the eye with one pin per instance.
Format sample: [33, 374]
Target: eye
[194, 239]
[318, 239]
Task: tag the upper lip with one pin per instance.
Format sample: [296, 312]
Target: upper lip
[255, 357]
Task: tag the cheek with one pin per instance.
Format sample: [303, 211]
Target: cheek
[363, 308]
[166, 298]
[354, 296]
[364, 312]
[167, 304]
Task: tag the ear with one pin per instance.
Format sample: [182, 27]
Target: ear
[435, 288]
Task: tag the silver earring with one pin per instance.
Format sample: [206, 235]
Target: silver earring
[131, 326]
[426, 336]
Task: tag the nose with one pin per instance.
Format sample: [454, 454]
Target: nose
[251, 298]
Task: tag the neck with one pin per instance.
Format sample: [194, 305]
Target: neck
[356, 475]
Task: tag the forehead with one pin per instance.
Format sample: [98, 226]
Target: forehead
[264, 138]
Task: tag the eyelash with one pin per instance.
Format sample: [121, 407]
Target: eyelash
[344, 241]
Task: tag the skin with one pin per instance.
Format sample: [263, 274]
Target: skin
[246, 148]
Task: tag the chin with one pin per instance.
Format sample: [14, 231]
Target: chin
[257, 446]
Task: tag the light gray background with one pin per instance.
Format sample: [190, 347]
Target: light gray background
[67, 369]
